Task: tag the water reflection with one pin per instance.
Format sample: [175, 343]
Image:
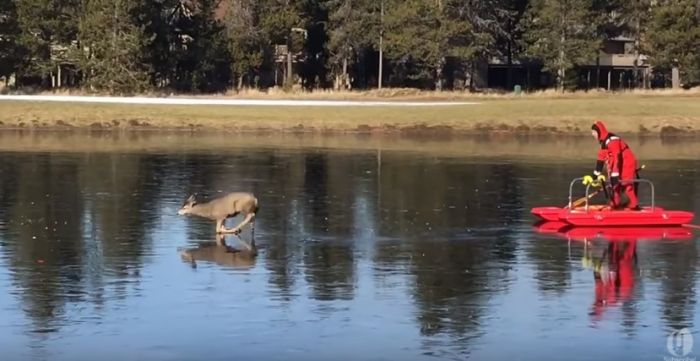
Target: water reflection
[419, 245]
[611, 255]
[221, 254]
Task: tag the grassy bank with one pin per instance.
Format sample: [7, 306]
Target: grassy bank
[676, 113]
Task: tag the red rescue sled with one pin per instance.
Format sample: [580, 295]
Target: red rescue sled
[602, 215]
[614, 234]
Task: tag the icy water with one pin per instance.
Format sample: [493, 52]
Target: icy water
[364, 254]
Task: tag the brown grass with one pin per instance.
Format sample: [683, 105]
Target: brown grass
[406, 94]
[643, 112]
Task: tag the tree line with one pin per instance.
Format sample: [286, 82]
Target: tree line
[127, 46]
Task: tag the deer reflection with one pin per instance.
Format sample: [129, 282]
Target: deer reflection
[219, 253]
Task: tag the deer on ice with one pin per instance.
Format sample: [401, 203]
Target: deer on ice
[222, 208]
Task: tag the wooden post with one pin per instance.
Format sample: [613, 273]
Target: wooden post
[609, 78]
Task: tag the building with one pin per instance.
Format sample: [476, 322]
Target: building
[617, 67]
[614, 69]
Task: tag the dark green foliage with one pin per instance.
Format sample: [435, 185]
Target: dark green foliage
[427, 32]
[10, 52]
[674, 37]
[128, 46]
[112, 59]
[47, 27]
[248, 43]
[560, 33]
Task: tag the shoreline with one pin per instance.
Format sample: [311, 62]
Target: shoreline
[626, 114]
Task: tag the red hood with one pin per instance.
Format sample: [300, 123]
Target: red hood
[602, 131]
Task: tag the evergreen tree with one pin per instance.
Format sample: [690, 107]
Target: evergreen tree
[114, 56]
[248, 44]
[10, 52]
[348, 25]
[46, 26]
[674, 38]
[205, 64]
[159, 19]
[561, 34]
[283, 23]
[507, 41]
[426, 32]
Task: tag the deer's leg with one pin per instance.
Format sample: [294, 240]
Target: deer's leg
[220, 226]
[248, 219]
[220, 240]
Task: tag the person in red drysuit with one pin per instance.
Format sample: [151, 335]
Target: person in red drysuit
[621, 164]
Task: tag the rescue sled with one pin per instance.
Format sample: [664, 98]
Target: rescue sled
[588, 215]
[614, 234]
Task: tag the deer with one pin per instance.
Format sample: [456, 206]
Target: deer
[222, 208]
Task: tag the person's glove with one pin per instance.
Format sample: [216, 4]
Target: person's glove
[614, 181]
[593, 180]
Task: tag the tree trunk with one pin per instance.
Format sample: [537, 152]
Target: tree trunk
[560, 75]
[240, 82]
[510, 66]
[290, 77]
[345, 73]
[561, 72]
[635, 71]
[438, 75]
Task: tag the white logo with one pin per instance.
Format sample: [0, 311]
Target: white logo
[679, 344]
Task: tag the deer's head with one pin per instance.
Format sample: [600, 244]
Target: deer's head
[187, 206]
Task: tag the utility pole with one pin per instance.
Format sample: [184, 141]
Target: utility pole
[381, 42]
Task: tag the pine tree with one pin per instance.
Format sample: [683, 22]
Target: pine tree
[247, 42]
[674, 38]
[283, 23]
[426, 32]
[560, 33]
[206, 65]
[46, 25]
[10, 52]
[114, 47]
[350, 30]
[507, 42]
[158, 19]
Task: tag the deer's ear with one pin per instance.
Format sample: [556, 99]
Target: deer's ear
[191, 198]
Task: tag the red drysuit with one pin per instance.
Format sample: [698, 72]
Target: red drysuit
[621, 162]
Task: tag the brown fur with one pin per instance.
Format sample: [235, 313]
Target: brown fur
[222, 208]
